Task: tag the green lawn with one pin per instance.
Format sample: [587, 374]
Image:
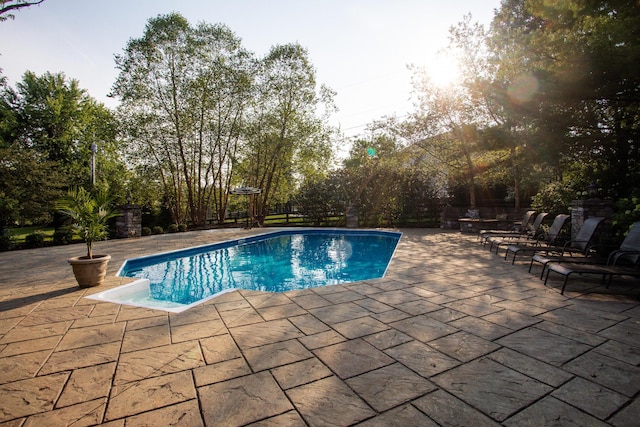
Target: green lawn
[20, 234]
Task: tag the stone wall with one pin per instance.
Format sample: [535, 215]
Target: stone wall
[129, 223]
[583, 209]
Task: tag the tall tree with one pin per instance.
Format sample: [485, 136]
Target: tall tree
[570, 69]
[46, 127]
[286, 137]
[183, 92]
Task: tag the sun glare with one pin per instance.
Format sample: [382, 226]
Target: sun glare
[443, 70]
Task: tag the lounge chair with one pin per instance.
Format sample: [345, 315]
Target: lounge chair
[629, 252]
[531, 234]
[575, 250]
[550, 238]
[518, 228]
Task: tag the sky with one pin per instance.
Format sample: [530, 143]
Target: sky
[360, 48]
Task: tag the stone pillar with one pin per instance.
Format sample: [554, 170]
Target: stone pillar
[583, 209]
[352, 216]
[129, 223]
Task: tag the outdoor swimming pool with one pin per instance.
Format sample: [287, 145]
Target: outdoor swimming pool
[272, 262]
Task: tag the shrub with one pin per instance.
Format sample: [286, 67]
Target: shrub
[63, 236]
[157, 230]
[7, 242]
[554, 198]
[173, 228]
[146, 231]
[34, 240]
[182, 228]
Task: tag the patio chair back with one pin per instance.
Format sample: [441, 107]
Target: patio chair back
[582, 240]
[556, 228]
[526, 219]
[631, 243]
[536, 224]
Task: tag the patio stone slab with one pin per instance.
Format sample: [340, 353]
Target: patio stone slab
[219, 348]
[627, 332]
[389, 386]
[148, 394]
[628, 416]
[197, 314]
[289, 419]
[492, 388]
[590, 397]
[611, 373]
[422, 359]
[280, 311]
[512, 319]
[544, 346]
[95, 335]
[423, 328]
[447, 410]
[345, 296]
[480, 327]
[587, 322]
[352, 358]
[141, 339]
[242, 400]
[574, 334]
[221, 371]
[31, 346]
[259, 334]
[158, 361]
[32, 396]
[463, 346]
[81, 358]
[403, 416]
[300, 373]
[276, 354]
[620, 351]
[182, 414]
[193, 331]
[91, 383]
[83, 414]
[25, 333]
[310, 301]
[339, 312]
[360, 327]
[551, 411]
[21, 366]
[386, 339]
[321, 339]
[240, 316]
[309, 324]
[329, 402]
[373, 305]
[395, 296]
[43, 315]
[533, 368]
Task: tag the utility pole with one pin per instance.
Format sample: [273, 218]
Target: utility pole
[94, 150]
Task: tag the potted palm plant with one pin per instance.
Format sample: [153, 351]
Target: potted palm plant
[88, 214]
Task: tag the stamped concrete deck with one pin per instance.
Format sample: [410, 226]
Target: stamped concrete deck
[453, 335]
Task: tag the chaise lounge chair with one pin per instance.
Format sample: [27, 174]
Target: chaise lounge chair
[629, 251]
[531, 234]
[518, 228]
[576, 250]
[550, 238]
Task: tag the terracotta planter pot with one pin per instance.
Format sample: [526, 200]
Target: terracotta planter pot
[90, 272]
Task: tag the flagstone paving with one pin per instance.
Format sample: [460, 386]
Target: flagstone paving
[453, 335]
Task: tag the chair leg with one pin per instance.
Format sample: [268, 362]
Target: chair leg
[564, 285]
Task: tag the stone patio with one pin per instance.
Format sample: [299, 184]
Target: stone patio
[453, 335]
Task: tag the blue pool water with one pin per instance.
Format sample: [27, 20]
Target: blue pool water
[273, 262]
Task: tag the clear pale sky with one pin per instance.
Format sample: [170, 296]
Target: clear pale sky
[360, 48]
